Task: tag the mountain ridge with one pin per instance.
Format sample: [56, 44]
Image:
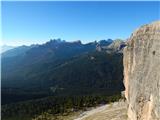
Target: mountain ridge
[51, 66]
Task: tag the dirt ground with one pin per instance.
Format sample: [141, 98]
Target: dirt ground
[113, 111]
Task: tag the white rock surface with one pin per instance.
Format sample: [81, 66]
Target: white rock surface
[142, 73]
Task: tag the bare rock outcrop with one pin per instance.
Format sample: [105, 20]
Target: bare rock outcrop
[142, 73]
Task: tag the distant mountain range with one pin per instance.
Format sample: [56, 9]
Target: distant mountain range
[4, 48]
[63, 68]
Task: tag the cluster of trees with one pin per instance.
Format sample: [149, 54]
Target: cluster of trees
[54, 105]
[91, 73]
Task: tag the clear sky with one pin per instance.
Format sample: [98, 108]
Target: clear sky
[38, 22]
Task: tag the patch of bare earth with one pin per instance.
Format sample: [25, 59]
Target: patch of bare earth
[113, 111]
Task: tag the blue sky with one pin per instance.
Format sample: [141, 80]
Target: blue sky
[37, 22]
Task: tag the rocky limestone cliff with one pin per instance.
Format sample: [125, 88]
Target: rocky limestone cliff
[142, 73]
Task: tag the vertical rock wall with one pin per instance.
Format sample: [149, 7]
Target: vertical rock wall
[142, 73]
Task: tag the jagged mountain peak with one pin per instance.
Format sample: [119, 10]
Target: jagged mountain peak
[116, 44]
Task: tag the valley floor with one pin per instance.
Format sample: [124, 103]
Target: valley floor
[113, 111]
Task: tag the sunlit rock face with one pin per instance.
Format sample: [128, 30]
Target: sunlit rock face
[142, 73]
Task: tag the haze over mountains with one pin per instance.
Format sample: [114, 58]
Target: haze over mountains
[4, 48]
